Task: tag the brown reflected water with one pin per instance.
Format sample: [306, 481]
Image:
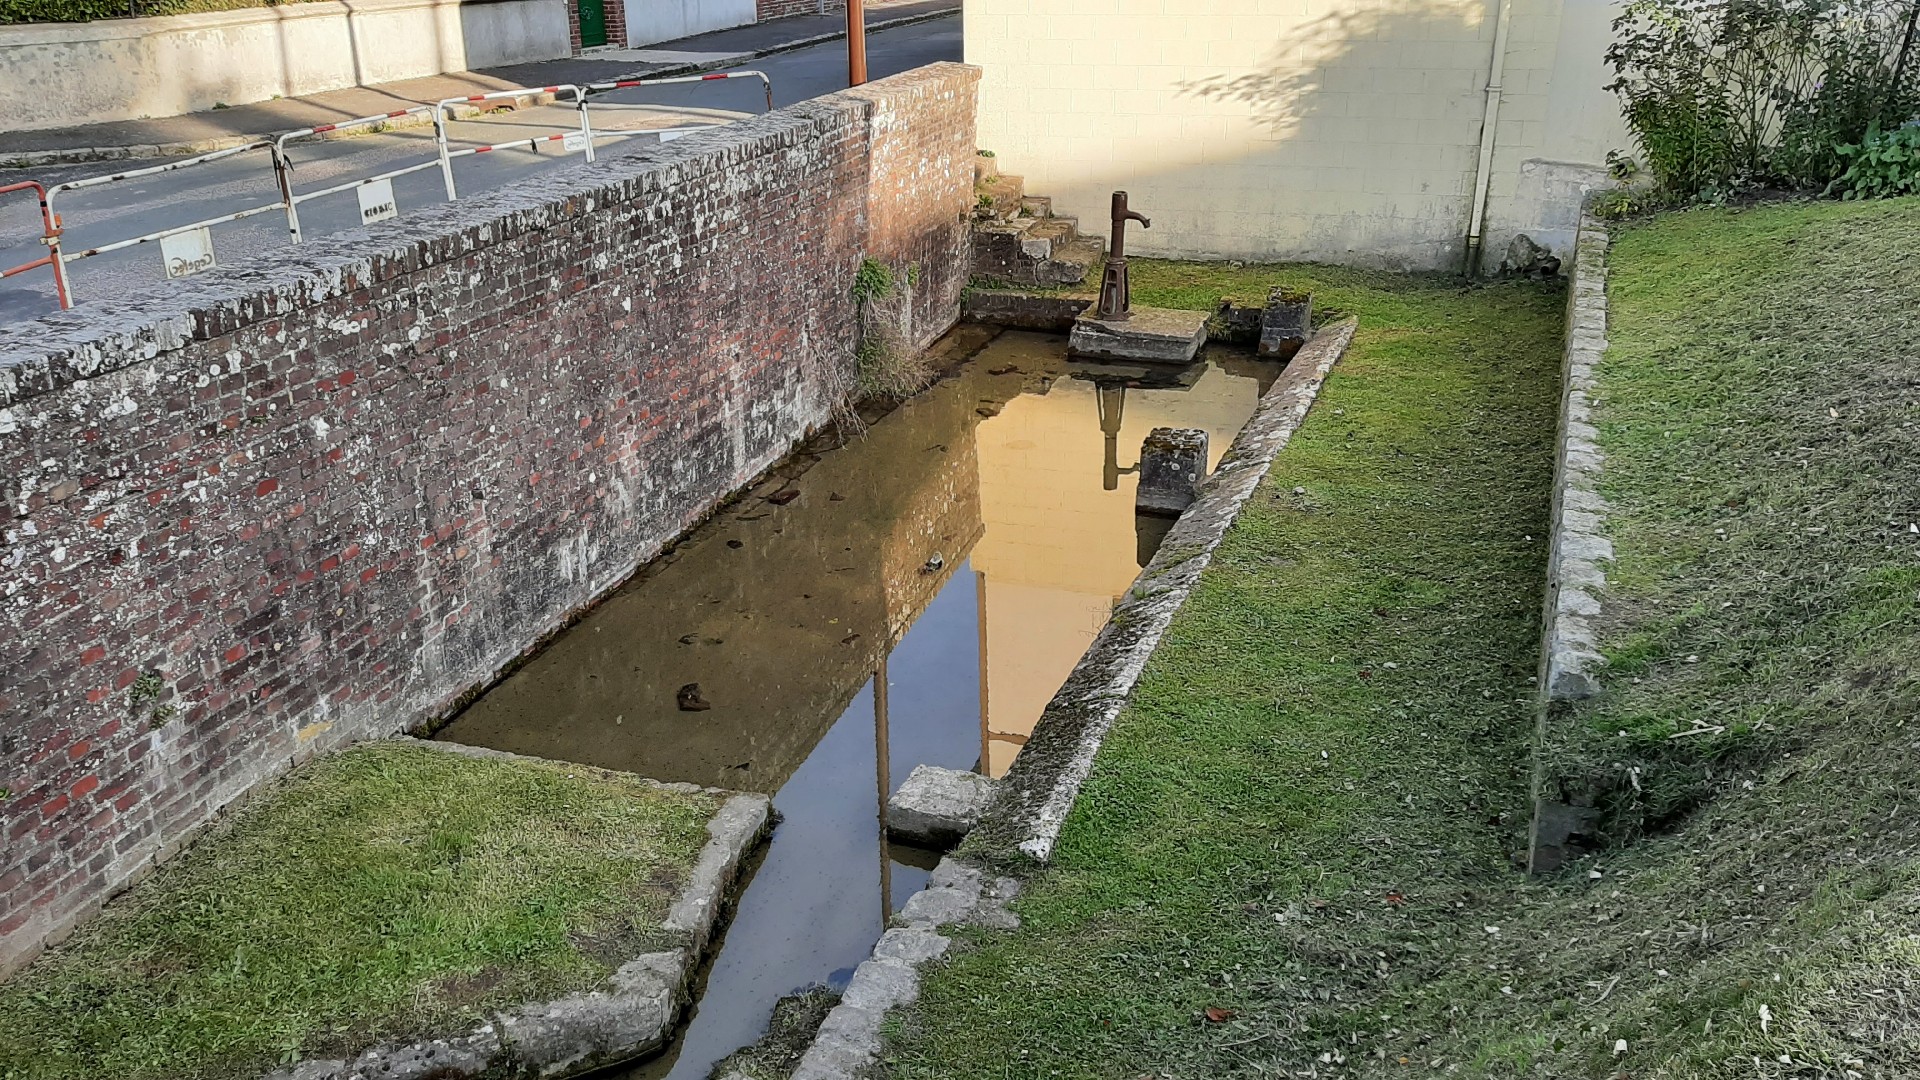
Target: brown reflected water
[914, 596]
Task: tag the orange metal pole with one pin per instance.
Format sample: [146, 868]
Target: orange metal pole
[856, 42]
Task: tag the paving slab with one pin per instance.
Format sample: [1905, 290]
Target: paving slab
[1160, 335]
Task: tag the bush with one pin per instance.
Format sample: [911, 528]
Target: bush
[1883, 163]
[1726, 95]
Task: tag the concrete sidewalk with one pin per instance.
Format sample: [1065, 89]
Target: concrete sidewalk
[202, 132]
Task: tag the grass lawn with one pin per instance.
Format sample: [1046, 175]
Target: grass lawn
[388, 891]
[1329, 751]
[1293, 857]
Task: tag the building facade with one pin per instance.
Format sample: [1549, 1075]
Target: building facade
[1338, 130]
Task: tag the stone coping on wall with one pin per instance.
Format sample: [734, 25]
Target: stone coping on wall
[632, 1015]
[1580, 550]
[99, 336]
[974, 886]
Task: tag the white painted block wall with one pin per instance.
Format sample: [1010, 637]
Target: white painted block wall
[65, 74]
[651, 21]
[1343, 130]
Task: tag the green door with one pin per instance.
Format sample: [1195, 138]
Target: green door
[593, 23]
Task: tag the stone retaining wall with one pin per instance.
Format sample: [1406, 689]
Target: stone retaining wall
[1570, 659]
[321, 496]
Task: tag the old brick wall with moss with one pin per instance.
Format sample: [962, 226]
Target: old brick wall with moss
[321, 496]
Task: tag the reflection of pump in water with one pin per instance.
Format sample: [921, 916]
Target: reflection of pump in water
[1111, 399]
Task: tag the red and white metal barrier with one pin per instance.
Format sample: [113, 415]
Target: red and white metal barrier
[572, 142]
[718, 76]
[669, 134]
[199, 259]
[283, 167]
[50, 234]
[201, 256]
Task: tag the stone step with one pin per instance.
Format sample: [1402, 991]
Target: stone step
[985, 168]
[1037, 206]
[1033, 251]
[1074, 261]
[998, 198]
[1055, 232]
[1050, 312]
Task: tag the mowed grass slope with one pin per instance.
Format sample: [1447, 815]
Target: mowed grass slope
[1330, 751]
[384, 892]
[1354, 915]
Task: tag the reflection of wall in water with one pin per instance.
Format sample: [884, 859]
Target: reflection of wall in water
[943, 516]
[1059, 549]
[781, 632]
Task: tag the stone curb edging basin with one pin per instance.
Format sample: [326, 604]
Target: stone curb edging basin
[1570, 658]
[632, 1015]
[1029, 805]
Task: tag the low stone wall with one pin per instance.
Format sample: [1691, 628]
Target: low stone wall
[321, 496]
[64, 74]
[1579, 550]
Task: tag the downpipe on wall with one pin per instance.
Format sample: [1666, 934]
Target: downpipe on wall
[1489, 126]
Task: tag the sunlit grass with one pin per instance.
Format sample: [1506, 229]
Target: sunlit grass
[387, 891]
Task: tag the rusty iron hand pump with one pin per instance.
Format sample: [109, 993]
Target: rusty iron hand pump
[1116, 294]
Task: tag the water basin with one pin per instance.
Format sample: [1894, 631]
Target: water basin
[915, 595]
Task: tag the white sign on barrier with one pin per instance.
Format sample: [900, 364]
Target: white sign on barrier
[190, 252]
[574, 142]
[376, 202]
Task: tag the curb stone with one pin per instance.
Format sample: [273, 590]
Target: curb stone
[1031, 802]
[26, 159]
[635, 1012]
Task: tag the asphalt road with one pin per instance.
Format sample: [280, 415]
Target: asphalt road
[99, 216]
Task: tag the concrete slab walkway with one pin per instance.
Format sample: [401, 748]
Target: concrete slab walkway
[215, 129]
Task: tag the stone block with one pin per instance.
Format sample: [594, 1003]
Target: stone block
[1173, 465]
[1018, 310]
[936, 807]
[1285, 323]
[1236, 323]
[1159, 335]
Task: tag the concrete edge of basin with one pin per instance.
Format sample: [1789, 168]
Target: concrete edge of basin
[1578, 553]
[634, 1013]
[1022, 821]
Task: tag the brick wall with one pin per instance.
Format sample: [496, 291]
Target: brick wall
[320, 496]
[776, 9]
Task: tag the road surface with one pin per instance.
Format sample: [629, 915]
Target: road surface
[98, 216]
